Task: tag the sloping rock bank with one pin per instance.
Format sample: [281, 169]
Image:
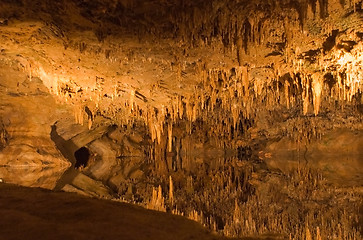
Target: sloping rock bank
[33, 213]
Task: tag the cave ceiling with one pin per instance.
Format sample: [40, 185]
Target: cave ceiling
[233, 65]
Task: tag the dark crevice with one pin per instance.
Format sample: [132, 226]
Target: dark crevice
[82, 156]
[330, 41]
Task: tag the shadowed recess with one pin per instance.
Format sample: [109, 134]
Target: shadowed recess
[82, 156]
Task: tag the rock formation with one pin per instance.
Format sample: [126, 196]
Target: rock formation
[185, 106]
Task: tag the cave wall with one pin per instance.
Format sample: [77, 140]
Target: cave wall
[230, 73]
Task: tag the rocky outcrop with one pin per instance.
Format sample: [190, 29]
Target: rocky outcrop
[27, 111]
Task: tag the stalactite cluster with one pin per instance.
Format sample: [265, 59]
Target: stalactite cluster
[227, 98]
[320, 223]
[249, 209]
[209, 80]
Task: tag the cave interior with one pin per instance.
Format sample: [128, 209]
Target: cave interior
[244, 116]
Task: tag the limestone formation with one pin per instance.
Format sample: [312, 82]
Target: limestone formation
[190, 107]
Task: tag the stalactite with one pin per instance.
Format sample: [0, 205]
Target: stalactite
[180, 108]
[132, 99]
[287, 95]
[170, 137]
[89, 123]
[305, 94]
[78, 114]
[171, 191]
[317, 85]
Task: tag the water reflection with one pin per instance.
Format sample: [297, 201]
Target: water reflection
[44, 177]
[342, 171]
[338, 170]
[229, 195]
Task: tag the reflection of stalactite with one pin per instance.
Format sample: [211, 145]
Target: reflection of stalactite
[157, 202]
[171, 191]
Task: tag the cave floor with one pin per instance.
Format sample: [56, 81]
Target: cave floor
[35, 213]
